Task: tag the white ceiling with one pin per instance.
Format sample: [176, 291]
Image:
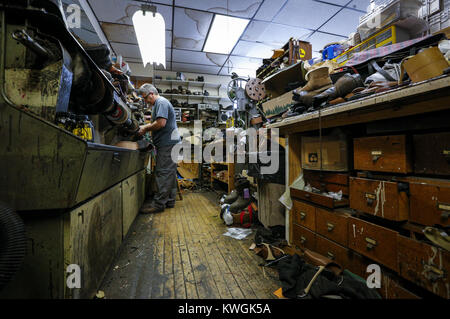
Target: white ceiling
[272, 23]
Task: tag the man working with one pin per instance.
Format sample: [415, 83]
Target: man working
[165, 135]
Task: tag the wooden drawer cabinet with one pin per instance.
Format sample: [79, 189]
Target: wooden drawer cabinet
[304, 214]
[424, 265]
[332, 225]
[384, 199]
[318, 199]
[432, 154]
[430, 203]
[376, 242]
[383, 154]
[332, 250]
[304, 238]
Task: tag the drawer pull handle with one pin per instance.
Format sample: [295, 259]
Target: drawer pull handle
[370, 198]
[330, 255]
[302, 240]
[330, 227]
[302, 215]
[116, 157]
[376, 155]
[434, 273]
[371, 243]
[307, 195]
[446, 154]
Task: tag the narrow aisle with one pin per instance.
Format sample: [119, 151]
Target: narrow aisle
[182, 253]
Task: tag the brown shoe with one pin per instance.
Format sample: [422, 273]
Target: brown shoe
[150, 209]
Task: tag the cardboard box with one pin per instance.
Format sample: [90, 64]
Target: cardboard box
[278, 105]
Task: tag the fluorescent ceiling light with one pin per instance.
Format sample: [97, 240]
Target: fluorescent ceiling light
[224, 33]
[151, 37]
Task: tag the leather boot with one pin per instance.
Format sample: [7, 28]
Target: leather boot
[347, 83]
[317, 79]
[231, 198]
[239, 204]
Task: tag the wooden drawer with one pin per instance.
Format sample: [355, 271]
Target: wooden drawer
[334, 153]
[318, 199]
[376, 242]
[332, 250]
[430, 203]
[303, 238]
[424, 265]
[379, 198]
[392, 289]
[327, 181]
[432, 154]
[332, 225]
[383, 154]
[304, 214]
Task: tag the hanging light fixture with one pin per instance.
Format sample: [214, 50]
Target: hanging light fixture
[150, 32]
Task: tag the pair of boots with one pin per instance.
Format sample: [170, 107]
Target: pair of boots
[239, 198]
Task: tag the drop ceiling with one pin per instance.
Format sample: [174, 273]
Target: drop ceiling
[272, 23]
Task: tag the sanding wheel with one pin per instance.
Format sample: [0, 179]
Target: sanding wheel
[255, 90]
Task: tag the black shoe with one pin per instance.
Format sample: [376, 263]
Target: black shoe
[151, 209]
[170, 205]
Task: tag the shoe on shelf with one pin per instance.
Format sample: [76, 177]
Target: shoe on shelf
[150, 209]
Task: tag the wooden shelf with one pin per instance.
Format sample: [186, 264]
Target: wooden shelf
[428, 96]
[229, 177]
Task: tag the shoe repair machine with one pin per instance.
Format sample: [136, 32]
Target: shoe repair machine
[244, 93]
[76, 195]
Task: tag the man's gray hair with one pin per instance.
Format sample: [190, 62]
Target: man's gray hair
[146, 89]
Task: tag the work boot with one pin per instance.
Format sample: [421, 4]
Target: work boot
[150, 208]
[239, 204]
[231, 198]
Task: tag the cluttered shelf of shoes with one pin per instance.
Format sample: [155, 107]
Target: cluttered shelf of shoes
[331, 89]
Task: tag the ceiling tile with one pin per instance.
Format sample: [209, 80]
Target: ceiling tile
[344, 23]
[125, 33]
[254, 49]
[240, 72]
[272, 34]
[319, 40]
[269, 9]
[190, 28]
[243, 63]
[121, 11]
[195, 68]
[199, 57]
[305, 14]
[238, 8]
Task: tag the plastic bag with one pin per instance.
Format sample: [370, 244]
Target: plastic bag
[238, 233]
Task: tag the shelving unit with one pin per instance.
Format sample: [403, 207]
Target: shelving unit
[229, 179]
[392, 238]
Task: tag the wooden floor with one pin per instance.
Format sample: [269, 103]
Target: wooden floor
[182, 253]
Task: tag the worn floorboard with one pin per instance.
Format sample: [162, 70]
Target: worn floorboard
[182, 253]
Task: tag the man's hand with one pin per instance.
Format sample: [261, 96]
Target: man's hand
[142, 130]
